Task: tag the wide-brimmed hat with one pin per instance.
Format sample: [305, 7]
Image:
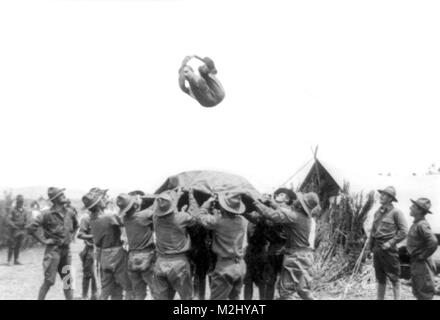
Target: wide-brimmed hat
[125, 202]
[391, 191]
[99, 190]
[91, 199]
[169, 200]
[231, 202]
[54, 193]
[309, 201]
[287, 191]
[423, 203]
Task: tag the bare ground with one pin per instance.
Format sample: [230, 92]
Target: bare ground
[23, 282]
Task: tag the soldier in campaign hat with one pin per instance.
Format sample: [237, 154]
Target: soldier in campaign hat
[389, 228]
[59, 224]
[421, 245]
[229, 229]
[172, 271]
[106, 229]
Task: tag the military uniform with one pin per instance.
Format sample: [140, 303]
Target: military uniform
[389, 226]
[298, 258]
[228, 235]
[106, 231]
[421, 245]
[59, 225]
[87, 259]
[172, 271]
[206, 89]
[16, 220]
[141, 257]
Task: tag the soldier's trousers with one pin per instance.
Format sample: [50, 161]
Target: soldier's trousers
[140, 271]
[88, 275]
[173, 274]
[114, 275]
[386, 264]
[295, 275]
[227, 279]
[14, 246]
[422, 279]
[58, 259]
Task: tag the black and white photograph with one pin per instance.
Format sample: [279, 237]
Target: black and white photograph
[219, 150]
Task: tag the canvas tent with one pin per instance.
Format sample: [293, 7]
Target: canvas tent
[329, 180]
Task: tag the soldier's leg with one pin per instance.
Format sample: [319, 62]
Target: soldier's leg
[221, 282]
[248, 286]
[302, 265]
[117, 292]
[138, 284]
[287, 283]
[391, 266]
[65, 271]
[86, 273]
[162, 288]
[107, 284]
[148, 276]
[17, 247]
[237, 272]
[381, 278]
[181, 279]
[50, 265]
[11, 244]
[94, 295]
[422, 280]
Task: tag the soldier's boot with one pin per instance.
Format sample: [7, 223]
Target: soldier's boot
[44, 289]
[68, 294]
[396, 290]
[381, 288]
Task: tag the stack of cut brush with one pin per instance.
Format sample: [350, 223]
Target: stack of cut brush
[340, 240]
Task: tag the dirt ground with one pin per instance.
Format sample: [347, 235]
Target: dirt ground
[23, 282]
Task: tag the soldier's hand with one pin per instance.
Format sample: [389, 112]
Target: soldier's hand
[49, 242]
[386, 246]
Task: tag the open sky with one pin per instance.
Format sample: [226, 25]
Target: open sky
[89, 93]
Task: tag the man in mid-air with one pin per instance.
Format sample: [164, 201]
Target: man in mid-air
[204, 87]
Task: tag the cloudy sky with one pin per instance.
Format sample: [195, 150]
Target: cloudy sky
[89, 94]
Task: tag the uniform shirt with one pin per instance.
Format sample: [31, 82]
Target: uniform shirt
[421, 242]
[17, 220]
[139, 229]
[297, 225]
[86, 229]
[171, 233]
[389, 225]
[229, 232]
[106, 230]
[58, 224]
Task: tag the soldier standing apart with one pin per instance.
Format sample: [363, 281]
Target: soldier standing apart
[229, 230]
[59, 225]
[106, 231]
[141, 256]
[421, 245]
[389, 228]
[298, 256]
[172, 271]
[16, 220]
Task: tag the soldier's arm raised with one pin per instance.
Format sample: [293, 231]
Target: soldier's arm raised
[281, 215]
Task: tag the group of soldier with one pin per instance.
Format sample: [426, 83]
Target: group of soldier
[145, 248]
